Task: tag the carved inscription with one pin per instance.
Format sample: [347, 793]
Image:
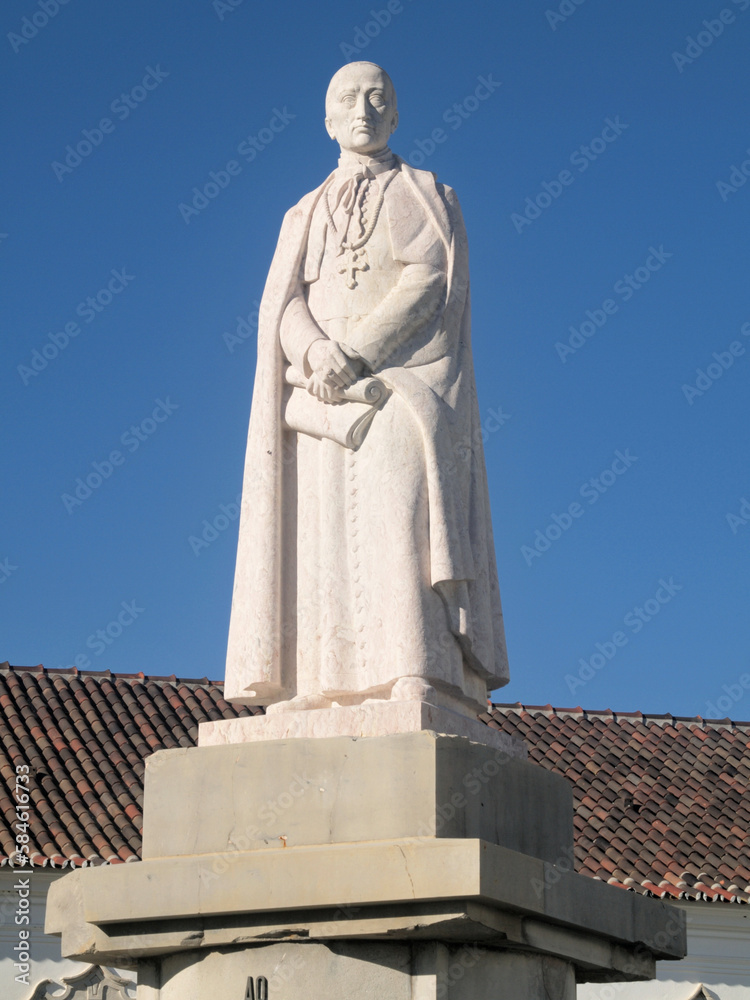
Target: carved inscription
[256, 989]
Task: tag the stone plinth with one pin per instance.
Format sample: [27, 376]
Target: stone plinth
[374, 718]
[283, 794]
[376, 865]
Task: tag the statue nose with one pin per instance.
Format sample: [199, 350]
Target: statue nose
[362, 109]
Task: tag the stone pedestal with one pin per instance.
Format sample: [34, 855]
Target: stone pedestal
[371, 970]
[413, 865]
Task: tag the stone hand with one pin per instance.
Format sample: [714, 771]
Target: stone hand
[331, 365]
[316, 386]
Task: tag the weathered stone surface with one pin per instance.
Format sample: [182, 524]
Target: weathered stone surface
[396, 839]
[297, 792]
[304, 881]
[375, 718]
[366, 971]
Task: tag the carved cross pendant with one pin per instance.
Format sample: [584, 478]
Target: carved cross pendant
[355, 260]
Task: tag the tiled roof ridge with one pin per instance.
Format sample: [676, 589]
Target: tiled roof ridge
[635, 717]
[59, 863]
[39, 669]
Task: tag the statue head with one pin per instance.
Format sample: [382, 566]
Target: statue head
[361, 112]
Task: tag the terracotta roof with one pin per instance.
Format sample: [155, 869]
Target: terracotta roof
[84, 736]
[662, 804]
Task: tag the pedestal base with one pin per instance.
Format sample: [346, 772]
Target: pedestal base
[374, 864]
[358, 971]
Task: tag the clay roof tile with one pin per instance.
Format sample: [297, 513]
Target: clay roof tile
[665, 799]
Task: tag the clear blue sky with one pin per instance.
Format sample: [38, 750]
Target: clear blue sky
[586, 157]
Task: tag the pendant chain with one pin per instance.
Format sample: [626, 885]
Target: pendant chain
[349, 245]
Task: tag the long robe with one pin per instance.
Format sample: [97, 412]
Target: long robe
[357, 568]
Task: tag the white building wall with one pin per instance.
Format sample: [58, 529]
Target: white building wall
[45, 960]
[718, 958]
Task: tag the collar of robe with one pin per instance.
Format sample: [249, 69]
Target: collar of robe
[353, 175]
[351, 163]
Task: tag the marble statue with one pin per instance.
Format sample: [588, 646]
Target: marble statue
[366, 567]
[332, 846]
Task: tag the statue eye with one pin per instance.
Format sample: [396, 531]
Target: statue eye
[347, 100]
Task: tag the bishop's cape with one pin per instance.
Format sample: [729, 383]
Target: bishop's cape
[356, 568]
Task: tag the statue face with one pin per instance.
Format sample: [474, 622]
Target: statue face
[361, 110]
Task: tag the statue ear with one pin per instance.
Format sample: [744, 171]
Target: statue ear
[394, 124]
[329, 128]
